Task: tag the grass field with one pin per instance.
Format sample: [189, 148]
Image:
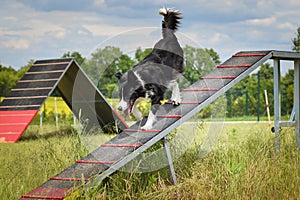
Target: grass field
[242, 165]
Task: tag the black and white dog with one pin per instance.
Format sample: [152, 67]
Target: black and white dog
[157, 72]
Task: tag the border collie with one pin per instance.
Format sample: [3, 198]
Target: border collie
[157, 72]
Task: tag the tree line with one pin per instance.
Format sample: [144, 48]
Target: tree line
[244, 99]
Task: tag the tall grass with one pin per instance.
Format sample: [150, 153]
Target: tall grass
[242, 165]
[36, 157]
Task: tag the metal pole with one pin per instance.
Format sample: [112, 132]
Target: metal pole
[41, 118]
[296, 99]
[56, 114]
[229, 104]
[168, 154]
[258, 95]
[277, 103]
[247, 103]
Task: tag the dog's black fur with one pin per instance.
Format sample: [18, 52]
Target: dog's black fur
[156, 72]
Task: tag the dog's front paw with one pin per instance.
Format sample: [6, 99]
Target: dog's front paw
[146, 127]
[176, 103]
[176, 99]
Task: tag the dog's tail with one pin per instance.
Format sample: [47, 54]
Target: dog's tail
[171, 19]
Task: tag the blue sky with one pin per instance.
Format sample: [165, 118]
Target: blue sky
[43, 29]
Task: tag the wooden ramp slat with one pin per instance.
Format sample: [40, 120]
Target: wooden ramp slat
[248, 55]
[47, 193]
[186, 102]
[122, 145]
[233, 66]
[142, 131]
[46, 64]
[96, 162]
[201, 89]
[68, 179]
[218, 77]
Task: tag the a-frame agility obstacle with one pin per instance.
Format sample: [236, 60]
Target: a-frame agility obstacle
[132, 141]
[20, 106]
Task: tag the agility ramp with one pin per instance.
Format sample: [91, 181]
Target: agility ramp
[21, 105]
[131, 142]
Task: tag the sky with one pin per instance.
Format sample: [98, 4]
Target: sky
[45, 29]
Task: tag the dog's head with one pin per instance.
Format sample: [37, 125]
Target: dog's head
[130, 89]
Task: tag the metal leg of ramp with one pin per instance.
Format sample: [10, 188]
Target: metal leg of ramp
[296, 99]
[169, 157]
[277, 108]
[295, 115]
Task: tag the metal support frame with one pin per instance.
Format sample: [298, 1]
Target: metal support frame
[296, 100]
[295, 115]
[170, 162]
[277, 108]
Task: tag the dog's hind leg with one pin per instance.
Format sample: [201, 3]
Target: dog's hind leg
[176, 98]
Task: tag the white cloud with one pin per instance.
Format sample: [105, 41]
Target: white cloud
[36, 30]
[99, 3]
[286, 26]
[19, 44]
[218, 37]
[82, 32]
[57, 32]
[106, 29]
[262, 22]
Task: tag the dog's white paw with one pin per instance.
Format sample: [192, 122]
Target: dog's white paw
[146, 127]
[176, 101]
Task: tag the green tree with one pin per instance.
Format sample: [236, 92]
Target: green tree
[198, 62]
[76, 55]
[287, 94]
[140, 54]
[100, 61]
[296, 41]
[107, 83]
[214, 55]
[9, 77]
[24, 69]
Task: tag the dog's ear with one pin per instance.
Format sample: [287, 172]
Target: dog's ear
[118, 75]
